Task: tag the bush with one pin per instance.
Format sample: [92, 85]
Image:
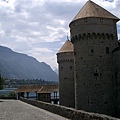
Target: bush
[2, 96]
[11, 94]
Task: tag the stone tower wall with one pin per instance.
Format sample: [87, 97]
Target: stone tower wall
[94, 39]
[66, 79]
[116, 63]
[93, 25]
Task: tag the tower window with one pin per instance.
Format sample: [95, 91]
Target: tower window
[91, 50]
[101, 19]
[96, 74]
[65, 78]
[76, 76]
[107, 50]
[106, 102]
[85, 19]
[70, 67]
[74, 53]
[61, 68]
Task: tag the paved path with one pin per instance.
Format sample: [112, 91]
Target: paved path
[17, 110]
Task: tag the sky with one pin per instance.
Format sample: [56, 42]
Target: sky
[39, 28]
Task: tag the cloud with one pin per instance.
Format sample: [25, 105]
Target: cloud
[40, 27]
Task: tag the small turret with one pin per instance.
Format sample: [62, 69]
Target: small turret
[65, 59]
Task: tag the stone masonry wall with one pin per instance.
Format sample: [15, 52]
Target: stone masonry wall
[69, 113]
[94, 41]
[66, 78]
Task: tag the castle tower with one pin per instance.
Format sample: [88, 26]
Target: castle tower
[65, 59]
[116, 62]
[94, 35]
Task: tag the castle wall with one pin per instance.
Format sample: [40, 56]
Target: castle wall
[66, 79]
[93, 25]
[67, 112]
[116, 63]
[94, 39]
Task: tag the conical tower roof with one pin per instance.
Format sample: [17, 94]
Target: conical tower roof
[67, 47]
[90, 9]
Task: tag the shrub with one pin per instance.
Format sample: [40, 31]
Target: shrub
[11, 94]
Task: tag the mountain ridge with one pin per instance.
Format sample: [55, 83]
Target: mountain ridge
[21, 66]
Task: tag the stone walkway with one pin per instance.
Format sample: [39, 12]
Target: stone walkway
[17, 110]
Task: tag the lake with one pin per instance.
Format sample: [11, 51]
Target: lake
[32, 95]
[6, 91]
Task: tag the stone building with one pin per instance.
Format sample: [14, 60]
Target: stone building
[96, 62]
[49, 93]
[46, 93]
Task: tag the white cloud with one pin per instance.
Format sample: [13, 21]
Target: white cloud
[40, 27]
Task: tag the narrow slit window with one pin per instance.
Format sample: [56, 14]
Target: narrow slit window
[61, 68]
[70, 67]
[101, 19]
[85, 19]
[65, 78]
[96, 74]
[74, 53]
[107, 50]
[91, 50]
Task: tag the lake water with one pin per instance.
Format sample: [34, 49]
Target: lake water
[6, 91]
[32, 95]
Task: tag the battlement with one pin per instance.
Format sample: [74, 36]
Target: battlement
[65, 60]
[86, 36]
[65, 57]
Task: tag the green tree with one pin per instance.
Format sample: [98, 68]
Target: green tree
[11, 94]
[1, 82]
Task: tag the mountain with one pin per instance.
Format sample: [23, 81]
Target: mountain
[56, 70]
[21, 66]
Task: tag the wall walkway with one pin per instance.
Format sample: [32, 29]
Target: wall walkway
[18, 110]
[69, 113]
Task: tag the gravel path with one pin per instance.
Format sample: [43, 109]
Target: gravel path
[17, 110]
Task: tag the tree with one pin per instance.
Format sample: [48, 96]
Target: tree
[1, 82]
[11, 94]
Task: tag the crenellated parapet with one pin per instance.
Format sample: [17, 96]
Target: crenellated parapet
[87, 36]
[65, 60]
[65, 57]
